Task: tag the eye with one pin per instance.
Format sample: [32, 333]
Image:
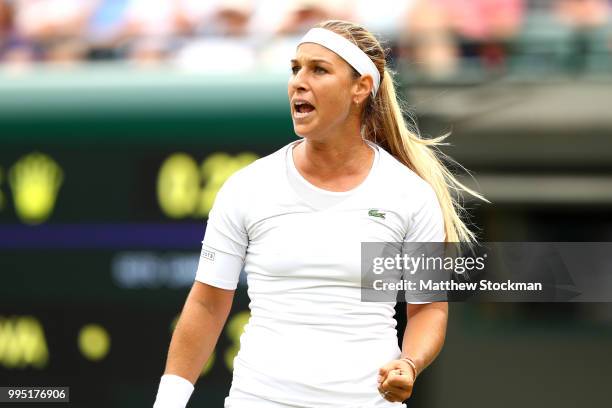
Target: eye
[295, 69]
[320, 70]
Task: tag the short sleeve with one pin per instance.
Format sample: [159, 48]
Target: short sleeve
[426, 226]
[225, 240]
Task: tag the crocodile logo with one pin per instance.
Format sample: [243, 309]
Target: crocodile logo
[377, 214]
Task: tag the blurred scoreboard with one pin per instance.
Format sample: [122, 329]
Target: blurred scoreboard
[105, 187]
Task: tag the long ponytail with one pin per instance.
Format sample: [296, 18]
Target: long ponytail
[384, 124]
[387, 127]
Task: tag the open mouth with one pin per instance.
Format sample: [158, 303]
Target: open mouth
[303, 109]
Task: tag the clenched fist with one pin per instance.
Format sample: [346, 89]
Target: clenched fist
[395, 381]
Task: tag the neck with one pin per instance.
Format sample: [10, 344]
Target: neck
[334, 156]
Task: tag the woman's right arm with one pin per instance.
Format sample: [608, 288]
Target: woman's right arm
[198, 330]
[210, 299]
[194, 339]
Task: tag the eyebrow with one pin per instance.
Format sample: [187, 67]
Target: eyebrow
[294, 61]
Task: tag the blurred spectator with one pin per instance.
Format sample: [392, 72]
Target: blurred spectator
[485, 20]
[148, 29]
[14, 49]
[232, 18]
[47, 20]
[588, 23]
[6, 19]
[583, 13]
[288, 21]
[194, 15]
[104, 28]
[382, 17]
[6, 23]
[427, 42]
[486, 28]
[303, 14]
[58, 26]
[225, 43]
[440, 31]
[157, 28]
[151, 18]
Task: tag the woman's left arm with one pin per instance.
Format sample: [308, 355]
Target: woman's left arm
[423, 339]
[425, 332]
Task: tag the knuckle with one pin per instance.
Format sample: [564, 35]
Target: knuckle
[397, 382]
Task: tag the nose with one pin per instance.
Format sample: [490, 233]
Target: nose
[298, 82]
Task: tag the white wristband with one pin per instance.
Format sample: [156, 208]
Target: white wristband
[173, 392]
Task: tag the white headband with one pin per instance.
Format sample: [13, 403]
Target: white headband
[346, 50]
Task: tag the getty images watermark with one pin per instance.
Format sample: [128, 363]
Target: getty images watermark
[491, 271]
[453, 265]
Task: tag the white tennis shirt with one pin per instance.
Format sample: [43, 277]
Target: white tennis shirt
[310, 340]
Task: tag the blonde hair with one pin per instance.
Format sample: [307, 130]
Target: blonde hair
[384, 124]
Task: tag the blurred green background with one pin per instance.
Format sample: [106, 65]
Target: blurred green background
[110, 161]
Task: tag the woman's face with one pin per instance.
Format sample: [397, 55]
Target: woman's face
[321, 91]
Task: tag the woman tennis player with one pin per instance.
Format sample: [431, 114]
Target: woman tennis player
[295, 220]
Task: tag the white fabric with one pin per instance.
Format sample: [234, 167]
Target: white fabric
[346, 50]
[310, 340]
[174, 392]
[214, 264]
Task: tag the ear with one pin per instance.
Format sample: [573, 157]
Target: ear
[363, 88]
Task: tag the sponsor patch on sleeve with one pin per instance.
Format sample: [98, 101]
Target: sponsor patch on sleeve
[207, 255]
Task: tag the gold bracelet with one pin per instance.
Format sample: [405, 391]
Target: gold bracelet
[411, 364]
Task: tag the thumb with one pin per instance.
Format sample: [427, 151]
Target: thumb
[384, 370]
[382, 374]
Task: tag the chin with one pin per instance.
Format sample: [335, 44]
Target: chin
[301, 131]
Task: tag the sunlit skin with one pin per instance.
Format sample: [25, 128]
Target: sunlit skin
[333, 155]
